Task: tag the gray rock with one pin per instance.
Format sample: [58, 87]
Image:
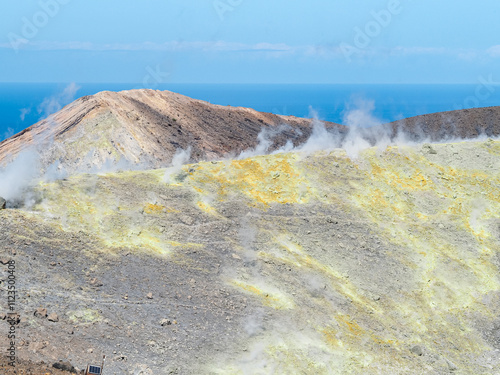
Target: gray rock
[417, 350]
[41, 312]
[96, 282]
[451, 365]
[428, 149]
[53, 317]
[3, 203]
[165, 322]
[188, 220]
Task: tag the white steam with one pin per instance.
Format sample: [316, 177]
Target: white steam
[265, 141]
[25, 171]
[55, 103]
[109, 165]
[254, 324]
[24, 112]
[361, 116]
[54, 172]
[362, 123]
[19, 175]
[180, 158]
[363, 130]
[247, 234]
[257, 361]
[320, 139]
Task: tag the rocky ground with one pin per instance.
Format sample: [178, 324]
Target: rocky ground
[289, 264]
[29, 368]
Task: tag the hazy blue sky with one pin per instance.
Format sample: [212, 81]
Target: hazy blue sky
[250, 41]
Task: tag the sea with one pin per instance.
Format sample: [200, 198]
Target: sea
[23, 104]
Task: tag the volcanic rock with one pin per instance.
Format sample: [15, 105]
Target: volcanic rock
[417, 350]
[53, 317]
[65, 366]
[41, 312]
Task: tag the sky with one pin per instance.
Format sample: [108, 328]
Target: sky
[249, 41]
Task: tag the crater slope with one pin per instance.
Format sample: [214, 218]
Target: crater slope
[288, 263]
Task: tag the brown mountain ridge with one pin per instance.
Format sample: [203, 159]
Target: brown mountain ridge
[147, 127]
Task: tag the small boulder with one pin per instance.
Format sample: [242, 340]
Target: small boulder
[417, 350]
[3, 203]
[428, 149]
[53, 317]
[165, 322]
[41, 312]
[186, 219]
[95, 282]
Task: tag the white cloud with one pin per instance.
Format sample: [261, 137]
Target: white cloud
[419, 51]
[150, 46]
[494, 51]
[335, 51]
[328, 51]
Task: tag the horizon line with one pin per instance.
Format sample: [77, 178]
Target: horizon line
[247, 83]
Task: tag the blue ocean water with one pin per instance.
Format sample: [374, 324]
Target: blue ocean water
[20, 102]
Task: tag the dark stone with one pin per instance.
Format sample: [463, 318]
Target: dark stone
[65, 366]
[3, 203]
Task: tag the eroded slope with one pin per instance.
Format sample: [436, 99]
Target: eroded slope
[145, 128]
[287, 263]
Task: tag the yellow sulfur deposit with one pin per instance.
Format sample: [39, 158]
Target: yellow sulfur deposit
[382, 264]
